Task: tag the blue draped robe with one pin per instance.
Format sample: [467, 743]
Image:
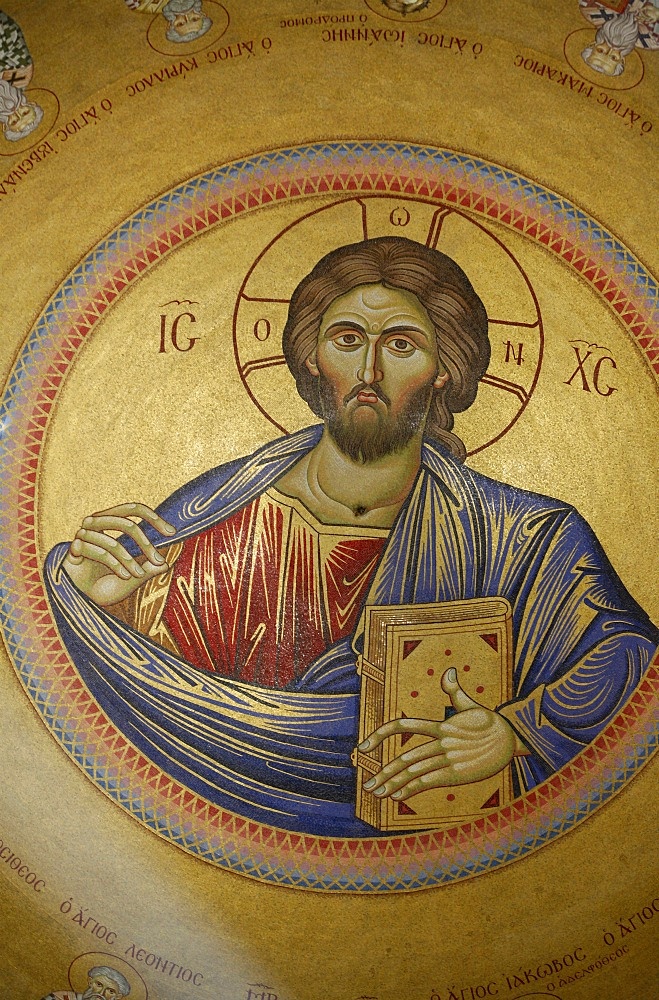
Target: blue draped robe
[581, 643]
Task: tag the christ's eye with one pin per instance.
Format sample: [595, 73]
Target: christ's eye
[347, 339]
[401, 345]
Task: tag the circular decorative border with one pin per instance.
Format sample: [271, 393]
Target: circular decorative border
[380, 864]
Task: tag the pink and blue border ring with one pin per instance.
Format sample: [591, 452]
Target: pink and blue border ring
[381, 864]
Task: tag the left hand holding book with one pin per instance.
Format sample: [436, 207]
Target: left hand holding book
[472, 744]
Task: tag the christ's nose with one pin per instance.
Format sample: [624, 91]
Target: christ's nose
[371, 370]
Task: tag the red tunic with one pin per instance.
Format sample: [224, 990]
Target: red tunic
[259, 596]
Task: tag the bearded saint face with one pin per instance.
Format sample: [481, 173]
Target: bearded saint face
[22, 119]
[604, 59]
[102, 987]
[188, 24]
[377, 365]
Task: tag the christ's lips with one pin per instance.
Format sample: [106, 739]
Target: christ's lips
[367, 394]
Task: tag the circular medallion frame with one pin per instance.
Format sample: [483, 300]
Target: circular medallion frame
[49, 102]
[80, 966]
[158, 41]
[382, 863]
[581, 39]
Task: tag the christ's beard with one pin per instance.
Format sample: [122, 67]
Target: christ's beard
[384, 436]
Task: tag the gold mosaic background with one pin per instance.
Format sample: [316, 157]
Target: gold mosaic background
[233, 933]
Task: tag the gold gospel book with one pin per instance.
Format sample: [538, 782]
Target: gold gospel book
[407, 649]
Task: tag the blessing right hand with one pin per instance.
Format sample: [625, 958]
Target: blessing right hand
[101, 567]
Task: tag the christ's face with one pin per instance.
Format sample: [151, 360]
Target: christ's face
[378, 366]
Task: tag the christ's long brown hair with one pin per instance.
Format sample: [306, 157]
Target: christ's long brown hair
[441, 286]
